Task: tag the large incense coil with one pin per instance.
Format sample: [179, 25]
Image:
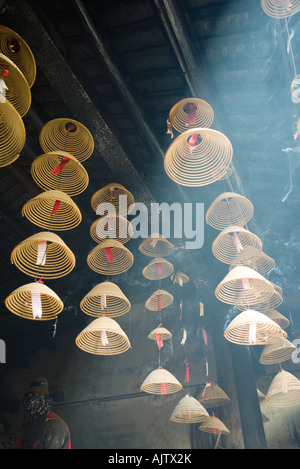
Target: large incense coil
[162, 332]
[18, 92]
[243, 280]
[262, 303]
[261, 262]
[67, 135]
[103, 336]
[110, 257]
[180, 278]
[112, 195]
[160, 299]
[161, 381]
[190, 113]
[253, 328]
[213, 396]
[278, 352]
[231, 243]
[12, 134]
[40, 211]
[279, 318]
[280, 8]
[113, 227]
[214, 425]
[60, 171]
[284, 391]
[107, 299]
[200, 165]
[19, 302]
[13, 46]
[229, 209]
[189, 410]
[158, 268]
[156, 245]
[57, 260]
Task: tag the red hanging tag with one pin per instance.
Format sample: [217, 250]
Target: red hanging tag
[61, 165]
[109, 254]
[56, 207]
[192, 141]
[163, 388]
[5, 72]
[246, 284]
[40, 280]
[187, 371]
[191, 110]
[158, 307]
[159, 268]
[159, 341]
[204, 335]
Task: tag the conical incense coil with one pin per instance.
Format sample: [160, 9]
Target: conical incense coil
[213, 396]
[34, 301]
[114, 195]
[229, 209]
[107, 299]
[53, 210]
[190, 113]
[196, 156]
[43, 255]
[162, 332]
[284, 391]
[243, 280]
[280, 8]
[103, 336]
[278, 352]
[161, 381]
[156, 245]
[12, 134]
[18, 92]
[180, 278]
[60, 171]
[111, 226]
[160, 299]
[261, 262]
[110, 258]
[214, 425]
[281, 320]
[13, 46]
[158, 268]
[189, 410]
[68, 135]
[253, 328]
[262, 304]
[231, 243]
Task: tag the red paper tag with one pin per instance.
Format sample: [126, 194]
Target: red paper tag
[61, 165]
[191, 110]
[159, 268]
[187, 372]
[204, 335]
[56, 207]
[163, 388]
[109, 254]
[246, 284]
[158, 307]
[159, 341]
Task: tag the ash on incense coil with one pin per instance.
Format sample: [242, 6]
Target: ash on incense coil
[189, 410]
[12, 134]
[156, 245]
[161, 381]
[189, 113]
[110, 257]
[232, 243]
[160, 299]
[114, 227]
[116, 195]
[18, 92]
[278, 352]
[229, 209]
[213, 396]
[280, 8]
[158, 268]
[107, 299]
[284, 391]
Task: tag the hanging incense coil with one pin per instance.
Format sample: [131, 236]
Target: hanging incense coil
[110, 257]
[43, 255]
[262, 304]
[12, 134]
[240, 280]
[158, 268]
[21, 302]
[161, 381]
[194, 158]
[160, 299]
[278, 352]
[13, 46]
[253, 328]
[189, 410]
[60, 171]
[162, 332]
[229, 209]
[180, 278]
[116, 196]
[214, 425]
[231, 243]
[281, 320]
[280, 8]
[213, 396]
[156, 245]
[67, 135]
[113, 227]
[18, 92]
[107, 299]
[261, 262]
[284, 391]
[53, 210]
[103, 336]
[190, 113]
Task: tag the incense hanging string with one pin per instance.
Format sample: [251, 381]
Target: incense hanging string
[60, 166]
[187, 371]
[109, 254]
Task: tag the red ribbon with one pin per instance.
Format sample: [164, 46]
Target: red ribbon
[193, 140]
[158, 307]
[191, 110]
[61, 165]
[159, 341]
[109, 254]
[56, 207]
[5, 72]
[204, 335]
[163, 388]
[159, 268]
[187, 371]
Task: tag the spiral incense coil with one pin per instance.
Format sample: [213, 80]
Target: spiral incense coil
[213, 396]
[115, 195]
[231, 243]
[103, 336]
[160, 299]
[214, 425]
[180, 278]
[161, 381]
[162, 332]
[190, 113]
[18, 92]
[60, 171]
[22, 301]
[113, 227]
[281, 320]
[12, 134]
[262, 304]
[158, 268]
[280, 8]
[105, 299]
[156, 246]
[196, 156]
[189, 410]
[43, 254]
[13, 46]
[278, 352]
[261, 262]
[67, 135]
[229, 209]
[110, 258]
[284, 391]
